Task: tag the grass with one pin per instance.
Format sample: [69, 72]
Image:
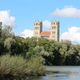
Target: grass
[18, 66]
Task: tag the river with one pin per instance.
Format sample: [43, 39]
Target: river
[61, 73]
[58, 73]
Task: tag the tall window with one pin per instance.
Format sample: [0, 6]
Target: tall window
[53, 32]
[36, 27]
[53, 27]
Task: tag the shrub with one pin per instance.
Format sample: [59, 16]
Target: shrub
[18, 66]
[12, 65]
[35, 66]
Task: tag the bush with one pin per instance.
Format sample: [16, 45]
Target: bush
[35, 66]
[18, 66]
[12, 65]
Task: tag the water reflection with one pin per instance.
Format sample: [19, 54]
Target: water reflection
[52, 76]
[61, 73]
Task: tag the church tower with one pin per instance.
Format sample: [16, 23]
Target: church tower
[38, 28]
[54, 30]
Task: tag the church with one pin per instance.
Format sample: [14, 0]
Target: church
[52, 34]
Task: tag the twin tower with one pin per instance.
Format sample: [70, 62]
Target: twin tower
[53, 34]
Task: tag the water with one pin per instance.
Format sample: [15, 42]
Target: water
[61, 73]
[57, 73]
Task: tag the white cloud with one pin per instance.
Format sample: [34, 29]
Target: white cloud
[6, 18]
[67, 12]
[73, 34]
[27, 33]
[30, 33]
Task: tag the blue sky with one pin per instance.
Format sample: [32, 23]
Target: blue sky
[27, 11]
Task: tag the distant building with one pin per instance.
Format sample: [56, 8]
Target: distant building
[53, 34]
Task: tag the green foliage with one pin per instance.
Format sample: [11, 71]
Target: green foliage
[12, 65]
[18, 66]
[53, 52]
[6, 32]
[8, 42]
[35, 66]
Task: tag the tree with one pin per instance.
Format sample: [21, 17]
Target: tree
[8, 42]
[7, 32]
[0, 29]
[71, 58]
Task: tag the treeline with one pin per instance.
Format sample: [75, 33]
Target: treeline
[14, 61]
[52, 52]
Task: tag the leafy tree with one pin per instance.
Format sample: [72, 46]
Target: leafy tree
[8, 42]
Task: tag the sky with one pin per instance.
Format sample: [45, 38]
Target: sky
[21, 15]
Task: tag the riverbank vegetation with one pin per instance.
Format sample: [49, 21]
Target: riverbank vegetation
[19, 56]
[18, 66]
[14, 58]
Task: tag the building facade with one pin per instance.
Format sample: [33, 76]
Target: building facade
[53, 34]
